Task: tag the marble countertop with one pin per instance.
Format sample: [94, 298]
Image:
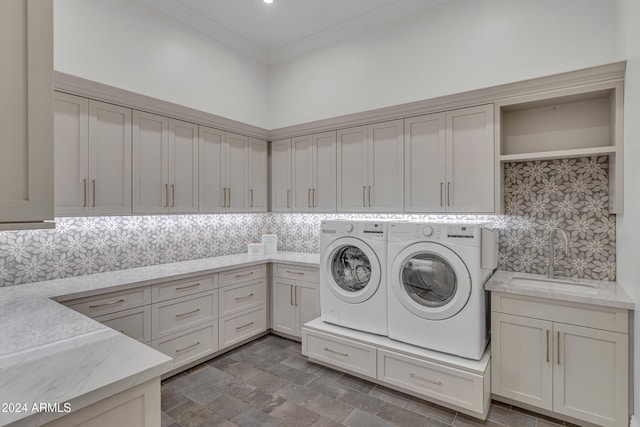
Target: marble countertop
[601, 293]
[52, 354]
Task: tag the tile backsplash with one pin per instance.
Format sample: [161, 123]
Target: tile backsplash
[539, 195]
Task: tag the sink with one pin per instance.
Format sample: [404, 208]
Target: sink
[555, 285]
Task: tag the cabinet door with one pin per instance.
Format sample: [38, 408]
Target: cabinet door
[590, 379]
[257, 175]
[212, 170]
[183, 167]
[26, 118]
[470, 160]
[109, 159]
[352, 168]
[521, 359]
[150, 163]
[237, 173]
[302, 173]
[324, 172]
[307, 299]
[284, 309]
[281, 175]
[71, 139]
[424, 160]
[386, 167]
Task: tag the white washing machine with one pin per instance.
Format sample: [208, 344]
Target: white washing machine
[353, 273]
[436, 286]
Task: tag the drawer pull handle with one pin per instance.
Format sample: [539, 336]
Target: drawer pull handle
[245, 297]
[182, 288]
[336, 352]
[295, 272]
[245, 274]
[189, 347]
[188, 313]
[244, 326]
[412, 375]
[121, 300]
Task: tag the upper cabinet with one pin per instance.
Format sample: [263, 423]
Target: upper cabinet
[370, 168]
[449, 161]
[26, 163]
[313, 168]
[281, 175]
[233, 172]
[92, 157]
[165, 165]
[579, 121]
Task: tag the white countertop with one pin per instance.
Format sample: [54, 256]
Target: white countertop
[52, 354]
[606, 294]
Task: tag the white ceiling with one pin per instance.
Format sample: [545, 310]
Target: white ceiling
[285, 28]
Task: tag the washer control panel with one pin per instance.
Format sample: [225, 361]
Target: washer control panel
[369, 229]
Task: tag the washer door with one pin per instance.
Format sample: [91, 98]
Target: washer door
[351, 269]
[430, 280]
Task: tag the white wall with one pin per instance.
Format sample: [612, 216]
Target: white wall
[127, 44]
[628, 227]
[457, 46]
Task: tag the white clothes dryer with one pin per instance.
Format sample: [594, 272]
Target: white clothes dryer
[353, 273]
[436, 296]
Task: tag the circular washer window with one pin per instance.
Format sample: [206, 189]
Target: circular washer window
[429, 280]
[351, 268]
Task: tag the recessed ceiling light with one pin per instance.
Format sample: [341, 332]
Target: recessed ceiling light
[268, 1]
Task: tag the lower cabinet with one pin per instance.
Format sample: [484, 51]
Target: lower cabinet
[568, 358]
[186, 347]
[460, 384]
[137, 407]
[296, 298]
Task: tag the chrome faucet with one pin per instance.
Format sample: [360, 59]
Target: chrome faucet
[552, 251]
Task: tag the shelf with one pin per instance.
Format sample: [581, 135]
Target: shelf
[559, 154]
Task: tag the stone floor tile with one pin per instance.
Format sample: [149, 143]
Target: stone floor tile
[211, 375]
[362, 401]
[300, 362]
[359, 418]
[241, 371]
[463, 420]
[218, 421]
[540, 417]
[227, 406]
[295, 376]
[510, 418]
[222, 362]
[236, 389]
[166, 420]
[544, 423]
[435, 423]
[325, 422]
[267, 382]
[330, 408]
[431, 410]
[202, 392]
[329, 374]
[399, 399]
[279, 342]
[190, 414]
[263, 400]
[327, 387]
[179, 381]
[256, 418]
[170, 397]
[295, 415]
[401, 416]
[298, 394]
[357, 384]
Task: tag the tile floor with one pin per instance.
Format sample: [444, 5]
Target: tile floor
[269, 383]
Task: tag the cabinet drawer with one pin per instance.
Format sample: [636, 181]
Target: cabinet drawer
[135, 322]
[234, 329]
[180, 288]
[587, 315]
[236, 298]
[308, 274]
[432, 380]
[181, 313]
[190, 345]
[238, 275]
[352, 356]
[111, 302]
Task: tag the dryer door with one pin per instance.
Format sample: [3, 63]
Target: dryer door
[430, 280]
[351, 270]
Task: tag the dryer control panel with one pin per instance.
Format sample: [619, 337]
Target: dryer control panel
[369, 229]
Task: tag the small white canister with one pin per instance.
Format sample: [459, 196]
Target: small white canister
[255, 248]
[270, 242]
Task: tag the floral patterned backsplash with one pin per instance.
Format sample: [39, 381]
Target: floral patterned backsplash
[539, 196]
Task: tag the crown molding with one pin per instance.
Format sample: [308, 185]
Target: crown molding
[501, 93]
[102, 92]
